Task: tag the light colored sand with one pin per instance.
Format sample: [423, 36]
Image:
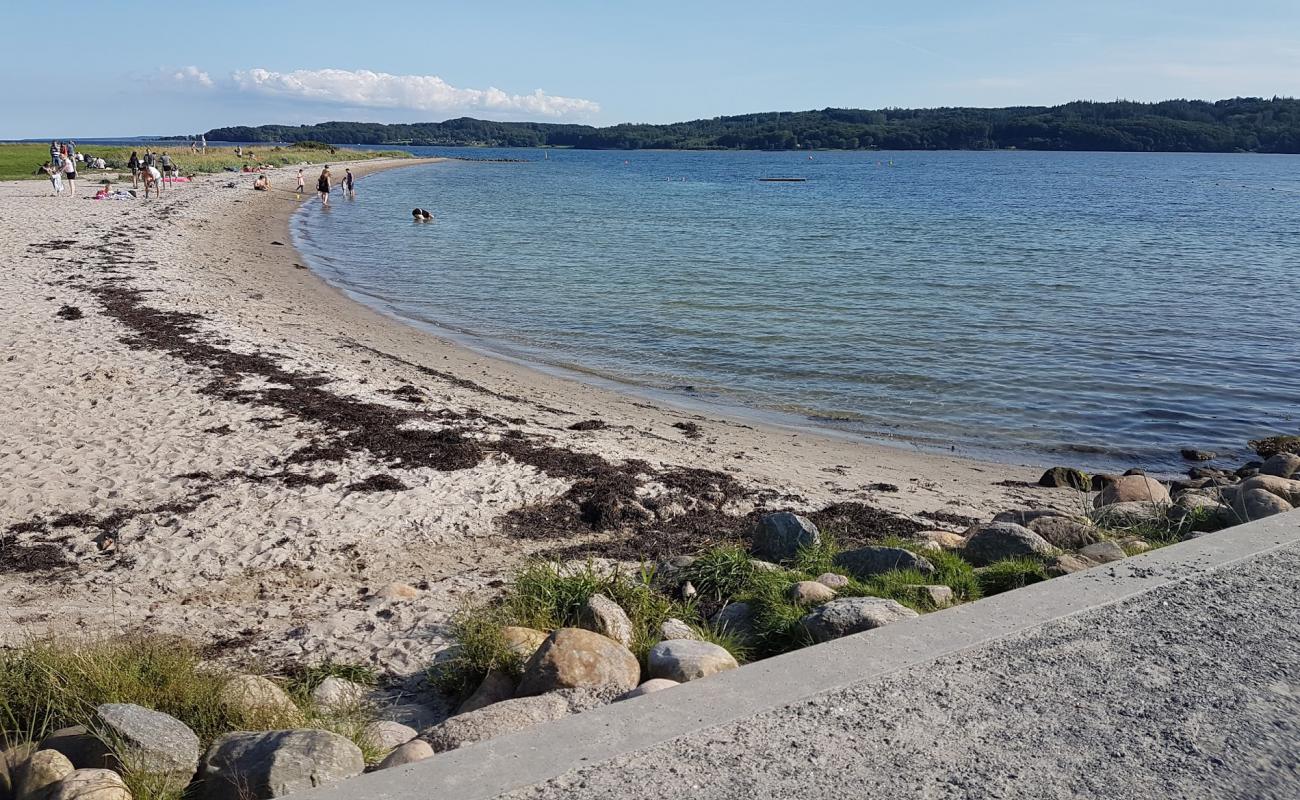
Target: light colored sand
[89, 424]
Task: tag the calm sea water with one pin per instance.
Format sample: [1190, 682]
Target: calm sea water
[1097, 309]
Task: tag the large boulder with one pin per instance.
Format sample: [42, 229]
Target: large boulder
[1133, 489]
[1281, 465]
[1066, 478]
[1253, 504]
[673, 628]
[607, 618]
[573, 658]
[37, 778]
[736, 619]
[384, 735]
[408, 753]
[988, 542]
[92, 784]
[495, 687]
[151, 742]
[810, 593]
[848, 615]
[865, 562]
[276, 763]
[336, 695]
[685, 660]
[1288, 490]
[1064, 532]
[779, 536]
[258, 700]
[513, 715]
[523, 642]
[650, 687]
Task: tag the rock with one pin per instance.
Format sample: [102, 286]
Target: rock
[495, 687]
[832, 580]
[276, 763]
[1281, 465]
[1288, 490]
[1267, 448]
[409, 753]
[1134, 545]
[412, 715]
[935, 596]
[808, 593]
[848, 615]
[988, 542]
[736, 619]
[82, 748]
[1213, 473]
[673, 628]
[650, 687]
[38, 778]
[1066, 478]
[338, 695]
[946, 540]
[1101, 480]
[778, 537]
[523, 642]
[1064, 532]
[255, 699]
[1135, 471]
[682, 660]
[1253, 504]
[1066, 564]
[1192, 454]
[92, 784]
[1103, 552]
[865, 562]
[607, 618]
[513, 715]
[1126, 515]
[1133, 489]
[396, 592]
[151, 742]
[385, 736]
[760, 565]
[573, 658]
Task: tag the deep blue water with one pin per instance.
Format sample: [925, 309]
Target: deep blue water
[1097, 309]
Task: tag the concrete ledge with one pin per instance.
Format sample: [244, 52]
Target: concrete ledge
[490, 768]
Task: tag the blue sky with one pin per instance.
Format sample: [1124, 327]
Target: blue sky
[120, 67]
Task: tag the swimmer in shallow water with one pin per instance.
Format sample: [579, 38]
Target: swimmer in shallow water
[420, 215]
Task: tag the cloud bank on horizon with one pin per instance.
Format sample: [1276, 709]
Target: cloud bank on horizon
[368, 89]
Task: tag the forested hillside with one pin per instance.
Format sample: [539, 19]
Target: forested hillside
[1240, 124]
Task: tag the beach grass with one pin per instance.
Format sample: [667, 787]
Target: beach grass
[22, 160]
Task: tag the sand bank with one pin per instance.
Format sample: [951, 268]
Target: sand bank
[201, 437]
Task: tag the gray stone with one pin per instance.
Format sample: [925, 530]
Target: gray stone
[523, 642]
[1192, 454]
[833, 580]
[1134, 545]
[736, 619]
[607, 618]
[513, 715]
[988, 542]
[339, 695]
[254, 699]
[650, 687]
[276, 763]
[409, 753]
[1065, 478]
[1103, 552]
[1200, 512]
[38, 777]
[933, 595]
[1064, 533]
[1281, 465]
[495, 687]
[760, 565]
[1127, 515]
[779, 536]
[865, 562]
[1133, 489]
[1288, 490]
[573, 658]
[673, 628]
[1067, 564]
[685, 660]
[848, 615]
[91, 784]
[1253, 504]
[385, 736]
[150, 741]
[808, 593]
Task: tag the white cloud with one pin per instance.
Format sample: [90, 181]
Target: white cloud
[190, 76]
[364, 88]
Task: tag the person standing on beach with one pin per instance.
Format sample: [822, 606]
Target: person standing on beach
[134, 165]
[323, 186]
[70, 175]
[55, 174]
[166, 165]
[302, 183]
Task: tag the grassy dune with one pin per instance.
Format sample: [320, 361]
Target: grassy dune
[18, 161]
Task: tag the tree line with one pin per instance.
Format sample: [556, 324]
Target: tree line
[1243, 124]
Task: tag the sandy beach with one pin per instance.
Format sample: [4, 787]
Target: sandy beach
[201, 437]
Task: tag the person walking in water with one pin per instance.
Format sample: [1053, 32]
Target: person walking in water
[348, 184]
[302, 183]
[323, 185]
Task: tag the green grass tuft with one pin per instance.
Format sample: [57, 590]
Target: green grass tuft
[956, 573]
[721, 572]
[1010, 573]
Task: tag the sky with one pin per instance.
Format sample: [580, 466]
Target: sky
[104, 68]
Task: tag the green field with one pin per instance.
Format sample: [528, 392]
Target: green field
[19, 161]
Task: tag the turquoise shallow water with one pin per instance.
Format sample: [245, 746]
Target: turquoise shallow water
[1100, 309]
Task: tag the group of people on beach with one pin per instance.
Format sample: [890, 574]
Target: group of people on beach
[325, 183]
[153, 170]
[62, 166]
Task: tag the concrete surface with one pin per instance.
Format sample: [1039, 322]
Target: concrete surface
[1173, 674]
